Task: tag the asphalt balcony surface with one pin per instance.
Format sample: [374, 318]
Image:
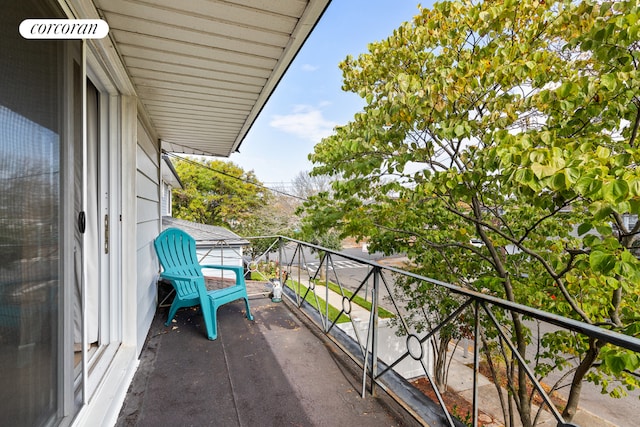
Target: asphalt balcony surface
[273, 371]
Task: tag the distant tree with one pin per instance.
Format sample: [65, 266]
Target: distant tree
[515, 123]
[306, 185]
[275, 218]
[220, 193]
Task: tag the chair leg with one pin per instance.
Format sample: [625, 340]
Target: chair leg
[172, 312]
[209, 313]
[246, 303]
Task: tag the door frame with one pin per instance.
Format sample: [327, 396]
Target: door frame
[109, 203]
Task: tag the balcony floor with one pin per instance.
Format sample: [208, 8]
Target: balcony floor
[270, 372]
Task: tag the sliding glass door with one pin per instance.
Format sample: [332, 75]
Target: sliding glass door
[41, 163]
[59, 309]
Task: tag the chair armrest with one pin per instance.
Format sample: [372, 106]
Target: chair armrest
[223, 267]
[170, 276]
[239, 270]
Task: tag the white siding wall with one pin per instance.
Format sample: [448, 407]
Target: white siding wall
[148, 227]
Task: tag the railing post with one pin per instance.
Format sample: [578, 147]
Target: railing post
[299, 268]
[280, 263]
[374, 335]
[476, 361]
[326, 289]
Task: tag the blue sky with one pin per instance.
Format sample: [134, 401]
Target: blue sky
[309, 102]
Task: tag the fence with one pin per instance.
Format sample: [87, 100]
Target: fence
[366, 308]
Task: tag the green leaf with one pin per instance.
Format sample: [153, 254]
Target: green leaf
[634, 187]
[609, 81]
[615, 191]
[603, 152]
[590, 240]
[584, 228]
[602, 213]
[542, 171]
[566, 89]
[602, 261]
[572, 175]
[558, 182]
[537, 156]
[618, 361]
[524, 176]
[604, 230]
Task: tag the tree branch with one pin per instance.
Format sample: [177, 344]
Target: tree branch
[636, 124]
[557, 279]
[542, 219]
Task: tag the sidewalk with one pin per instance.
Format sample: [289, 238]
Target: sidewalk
[356, 312]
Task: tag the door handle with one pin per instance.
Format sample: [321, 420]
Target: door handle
[106, 234]
[82, 222]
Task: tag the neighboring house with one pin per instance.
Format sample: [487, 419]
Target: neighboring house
[630, 220]
[82, 128]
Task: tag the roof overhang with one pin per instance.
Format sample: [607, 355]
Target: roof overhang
[169, 173]
[204, 69]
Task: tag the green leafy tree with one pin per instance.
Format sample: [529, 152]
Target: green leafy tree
[220, 193]
[515, 123]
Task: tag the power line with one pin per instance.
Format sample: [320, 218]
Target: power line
[246, 181]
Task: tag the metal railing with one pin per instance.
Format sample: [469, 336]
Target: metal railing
[364, 313]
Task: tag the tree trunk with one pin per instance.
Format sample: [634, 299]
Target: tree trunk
[576, 383]
[524, 401]
[441, 363]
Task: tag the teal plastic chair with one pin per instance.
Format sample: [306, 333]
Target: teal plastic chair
[177, 254]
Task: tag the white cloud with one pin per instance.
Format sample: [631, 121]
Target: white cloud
[309, 67]
[305, 122]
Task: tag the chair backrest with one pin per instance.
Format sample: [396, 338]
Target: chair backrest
[176, 251]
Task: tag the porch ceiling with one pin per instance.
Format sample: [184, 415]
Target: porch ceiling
[203, 69]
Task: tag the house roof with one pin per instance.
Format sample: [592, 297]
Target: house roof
[204, 234]
[204, 69]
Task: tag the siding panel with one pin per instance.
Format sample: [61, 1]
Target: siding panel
[147, 188]
[146, 165]
[147, 227]
[148, 211]
[147, 232]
